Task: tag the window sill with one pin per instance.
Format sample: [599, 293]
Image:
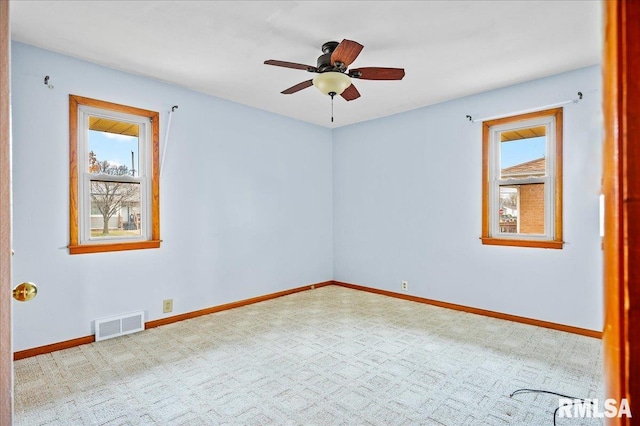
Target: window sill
[99, 248]
[522, 243]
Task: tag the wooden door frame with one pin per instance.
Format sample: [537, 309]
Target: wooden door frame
[621, 187]
[6, 349]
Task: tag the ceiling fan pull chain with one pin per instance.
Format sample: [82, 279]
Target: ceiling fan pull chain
[332, 94]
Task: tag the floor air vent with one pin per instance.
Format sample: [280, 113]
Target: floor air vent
[107, 328]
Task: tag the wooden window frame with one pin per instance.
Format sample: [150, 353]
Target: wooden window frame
[75, 245]
[487, 238]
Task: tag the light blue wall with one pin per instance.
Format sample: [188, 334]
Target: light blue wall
[246, 203]
[407, 206]
[253, 203]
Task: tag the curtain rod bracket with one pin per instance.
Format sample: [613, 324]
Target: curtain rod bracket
[46, 82]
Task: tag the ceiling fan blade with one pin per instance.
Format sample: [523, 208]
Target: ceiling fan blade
[350, 93]
[297, 87]
[346, 52]
[377, 73]
[291, 65]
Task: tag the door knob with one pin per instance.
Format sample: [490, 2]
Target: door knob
[25, 292]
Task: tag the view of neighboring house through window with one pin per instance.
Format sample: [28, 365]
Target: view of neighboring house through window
[114, 193]
[522, 156]
[522, 180]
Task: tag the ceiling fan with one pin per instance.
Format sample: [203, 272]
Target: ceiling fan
[333, 77]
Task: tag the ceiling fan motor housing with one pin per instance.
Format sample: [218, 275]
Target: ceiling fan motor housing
[324, 61]
[329, 46]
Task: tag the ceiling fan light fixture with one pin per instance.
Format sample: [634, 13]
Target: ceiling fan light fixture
[332, 82]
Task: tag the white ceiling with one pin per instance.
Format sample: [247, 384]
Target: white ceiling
[449, 49]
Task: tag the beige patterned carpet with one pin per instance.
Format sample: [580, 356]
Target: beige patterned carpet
[329, 356]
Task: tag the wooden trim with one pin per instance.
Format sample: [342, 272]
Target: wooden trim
[155, 177]
[621, 188]
[101, 248]
[486, 237]
[558, 195]
[73, 171]
[126, 109]
[613, 336]
[523, 117]
[164, 321]
[176, 318]
[486, 152]
[232, 305]
[477, 311]
[74, 239]
[522, 243]
[53, 347]
[6, 366]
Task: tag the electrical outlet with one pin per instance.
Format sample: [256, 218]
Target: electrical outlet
[405, 285]
[167, 305]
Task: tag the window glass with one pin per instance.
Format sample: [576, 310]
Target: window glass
[522, 209]
[113, 147]
[115, 209]
[522, 153]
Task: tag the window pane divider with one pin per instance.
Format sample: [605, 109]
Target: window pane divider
[103, 177]
[528, 181]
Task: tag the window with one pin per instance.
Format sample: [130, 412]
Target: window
[522, 180]
[114, 177]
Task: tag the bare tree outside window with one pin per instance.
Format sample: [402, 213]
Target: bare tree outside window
[110, 197]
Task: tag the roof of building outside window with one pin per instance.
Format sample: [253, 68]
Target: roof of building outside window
[535, 167]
